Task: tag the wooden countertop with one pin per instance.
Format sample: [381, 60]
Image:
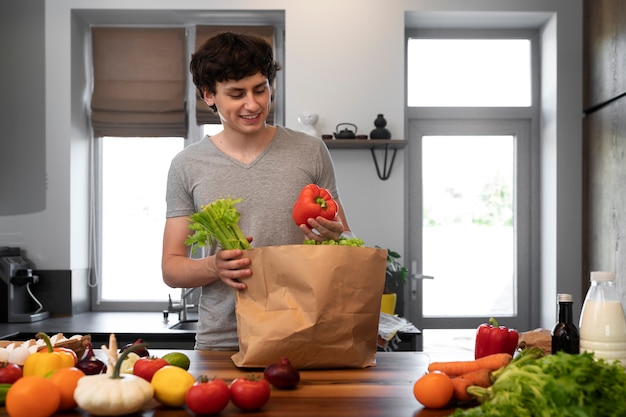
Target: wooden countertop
[381, 391]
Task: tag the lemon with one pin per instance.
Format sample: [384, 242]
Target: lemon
[177, 359]
[171, 384]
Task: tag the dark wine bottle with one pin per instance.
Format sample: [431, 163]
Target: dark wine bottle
[565, 336]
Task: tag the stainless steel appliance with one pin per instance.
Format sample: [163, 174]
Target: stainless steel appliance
[19, 304]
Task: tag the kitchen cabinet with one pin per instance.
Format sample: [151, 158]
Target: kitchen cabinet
[604, 137]
[405, 342]
[605, 44]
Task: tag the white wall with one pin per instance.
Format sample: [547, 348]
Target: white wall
[344, 61]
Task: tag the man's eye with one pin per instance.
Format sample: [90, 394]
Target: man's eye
[236, 95]
[261, 91]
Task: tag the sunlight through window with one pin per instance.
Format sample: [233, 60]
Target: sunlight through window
[469, 73]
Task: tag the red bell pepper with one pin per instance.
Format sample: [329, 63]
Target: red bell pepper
[491, 338]
[312, 202]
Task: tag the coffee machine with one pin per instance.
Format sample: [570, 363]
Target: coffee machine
[19, 304]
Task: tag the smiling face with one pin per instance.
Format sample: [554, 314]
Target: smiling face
[243, 105]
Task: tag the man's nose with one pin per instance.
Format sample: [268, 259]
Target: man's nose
[251, 101]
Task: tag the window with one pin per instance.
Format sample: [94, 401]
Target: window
[471, 112]
[470, 72]
[212, 129]
[134, 177]
[130, 179]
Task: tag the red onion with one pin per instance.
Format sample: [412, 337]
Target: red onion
[142, 352]
[282, 374]
[90, 364]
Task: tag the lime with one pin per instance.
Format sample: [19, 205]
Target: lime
[177, 359]
[170, 385]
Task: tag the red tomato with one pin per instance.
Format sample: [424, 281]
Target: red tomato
[146, 366]
[249, 393]
[9, 372]
[207, 396]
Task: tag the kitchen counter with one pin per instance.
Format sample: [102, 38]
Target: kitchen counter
[127, 327]
[380, 391]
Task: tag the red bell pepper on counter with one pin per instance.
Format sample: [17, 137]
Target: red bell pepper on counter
[313, 201]
[491, 338]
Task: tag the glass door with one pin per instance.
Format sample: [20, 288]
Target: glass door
[471, 116]
[467, 200]
[469, 219]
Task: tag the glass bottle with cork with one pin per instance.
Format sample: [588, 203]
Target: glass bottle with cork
[602, 321]
[565, 336]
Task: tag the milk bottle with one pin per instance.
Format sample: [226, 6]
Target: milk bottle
[602, 322]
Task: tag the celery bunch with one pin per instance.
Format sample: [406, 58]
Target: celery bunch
[562, 384]
[218, 222]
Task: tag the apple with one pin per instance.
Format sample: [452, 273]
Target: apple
[9, 372]
[146, 366]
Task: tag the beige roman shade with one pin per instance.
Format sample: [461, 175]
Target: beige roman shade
[139, 82]
[204, 114]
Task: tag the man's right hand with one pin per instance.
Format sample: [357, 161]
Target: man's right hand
[231, 268]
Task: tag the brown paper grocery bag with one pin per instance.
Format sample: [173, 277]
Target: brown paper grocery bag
[318, 305]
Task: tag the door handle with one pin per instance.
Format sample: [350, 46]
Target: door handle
[414, 277]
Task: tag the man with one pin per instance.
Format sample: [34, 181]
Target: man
[265, 166]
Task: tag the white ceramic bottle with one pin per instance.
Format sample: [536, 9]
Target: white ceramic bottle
[602, 321]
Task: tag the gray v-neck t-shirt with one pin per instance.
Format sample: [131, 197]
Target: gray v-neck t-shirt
[268, 186]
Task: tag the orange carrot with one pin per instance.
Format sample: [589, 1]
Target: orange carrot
[480, 377]
[456, 368]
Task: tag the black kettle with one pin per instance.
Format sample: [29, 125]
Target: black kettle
[345, 133]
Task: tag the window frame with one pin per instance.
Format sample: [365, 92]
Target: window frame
[523, 124]
[194, 134]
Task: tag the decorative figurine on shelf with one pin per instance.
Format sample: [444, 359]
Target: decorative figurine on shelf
[308, 121]
[380, 132]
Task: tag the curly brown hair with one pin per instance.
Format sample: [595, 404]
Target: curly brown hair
[231, 56]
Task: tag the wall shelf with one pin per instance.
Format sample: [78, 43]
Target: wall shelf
[365, 143]
[385, 145]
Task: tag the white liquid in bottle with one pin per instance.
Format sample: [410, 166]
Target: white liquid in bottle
[602, 323]
[603, 330]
